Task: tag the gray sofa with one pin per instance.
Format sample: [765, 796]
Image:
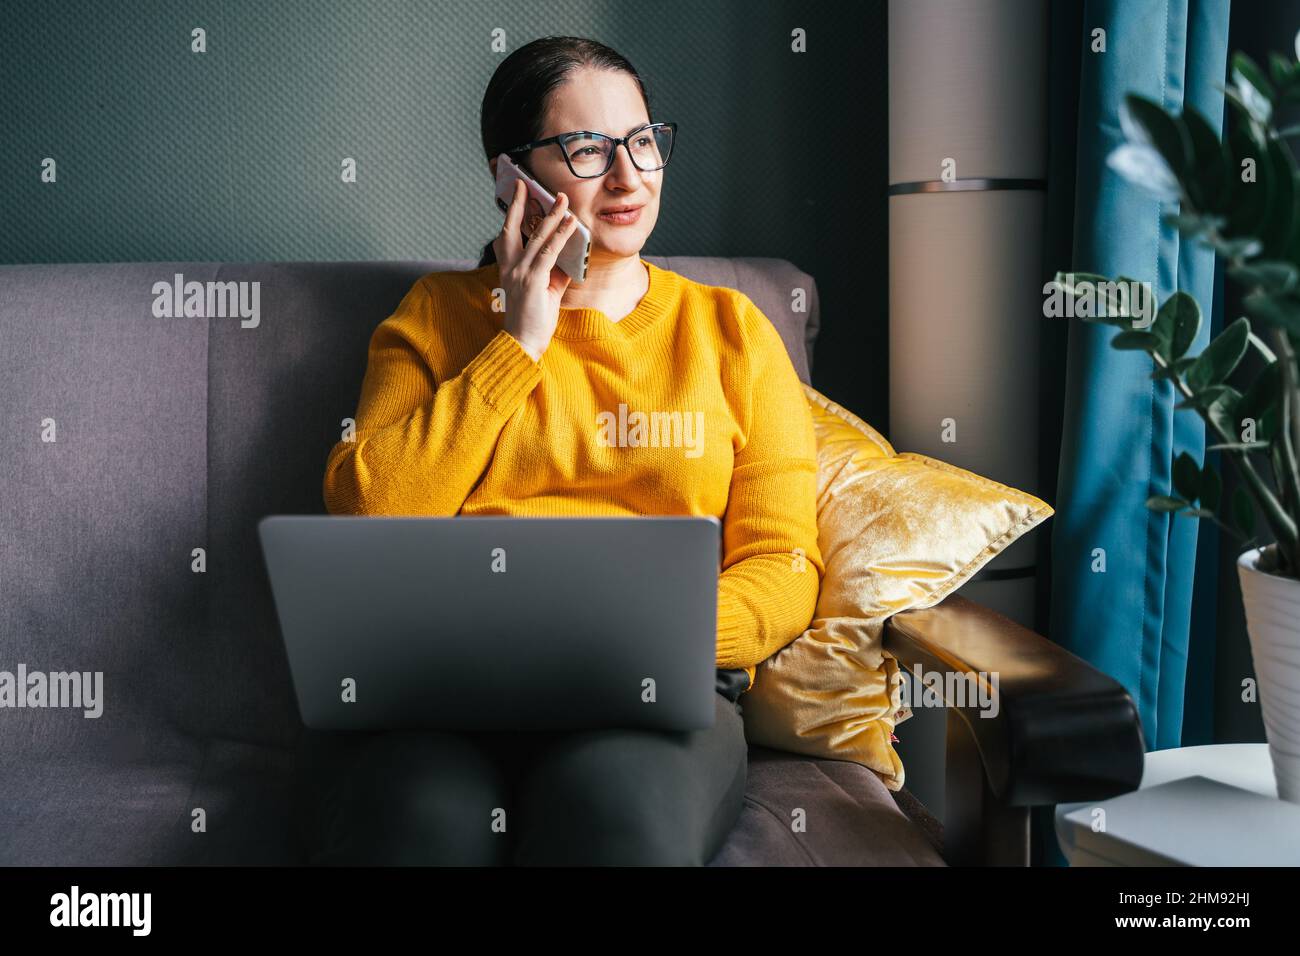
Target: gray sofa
[176, 434]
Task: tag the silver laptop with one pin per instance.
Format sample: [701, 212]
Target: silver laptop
[497, 623]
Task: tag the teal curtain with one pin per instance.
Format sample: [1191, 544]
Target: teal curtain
[1120, 431]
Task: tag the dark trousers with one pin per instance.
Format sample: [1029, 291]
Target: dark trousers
[527, 798]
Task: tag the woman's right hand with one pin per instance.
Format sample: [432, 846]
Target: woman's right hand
[532, 283]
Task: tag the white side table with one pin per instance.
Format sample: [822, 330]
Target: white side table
[1188, 822]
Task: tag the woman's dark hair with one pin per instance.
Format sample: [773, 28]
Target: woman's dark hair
[518, 95]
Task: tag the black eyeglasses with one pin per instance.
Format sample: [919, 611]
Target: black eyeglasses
[590, 154]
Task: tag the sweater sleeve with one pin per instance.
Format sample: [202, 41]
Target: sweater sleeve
[420, 445]
[771, 566]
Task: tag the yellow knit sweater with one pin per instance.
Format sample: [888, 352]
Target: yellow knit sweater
[456, 418]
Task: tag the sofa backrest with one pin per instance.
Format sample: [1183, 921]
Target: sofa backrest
[181, 433]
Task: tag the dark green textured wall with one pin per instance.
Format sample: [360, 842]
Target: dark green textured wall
[234, 154]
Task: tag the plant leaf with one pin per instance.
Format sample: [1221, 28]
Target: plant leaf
[1147, 123]
[1266, 428]
[1179, 319]
[1242, 248]
[1279, 69]
[1221, 413]
[1271, 275]
[1209, 395]
[1282, 311]
[1220, 357]
[1255, 91]
[1238, 446]
[1210, 165]
[1187, 476]
[1276, 236]
[1165, 503]
[1211, 488]
[1263, 349]
[1173, 369]
[1261, 394]
[1192, 224]
[1248, 207]
[1145, 168]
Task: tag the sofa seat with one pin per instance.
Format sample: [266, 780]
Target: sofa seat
[101, 812]
[851, 818]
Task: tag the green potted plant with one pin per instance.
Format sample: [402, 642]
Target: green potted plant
[1240, 195]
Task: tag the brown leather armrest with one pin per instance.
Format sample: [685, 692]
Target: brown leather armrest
[1063, 731]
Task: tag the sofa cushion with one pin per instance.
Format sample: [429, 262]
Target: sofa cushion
[85, 811]
[807, 811]
[100, 523]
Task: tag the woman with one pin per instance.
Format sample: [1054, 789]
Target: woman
[468, 409]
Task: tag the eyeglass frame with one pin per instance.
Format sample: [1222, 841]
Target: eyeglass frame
[617, 140]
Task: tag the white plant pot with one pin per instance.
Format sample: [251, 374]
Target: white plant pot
[1273, 621]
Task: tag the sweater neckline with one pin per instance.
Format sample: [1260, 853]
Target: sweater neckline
[581, 322]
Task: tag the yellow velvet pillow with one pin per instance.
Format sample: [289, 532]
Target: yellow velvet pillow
[897, 531]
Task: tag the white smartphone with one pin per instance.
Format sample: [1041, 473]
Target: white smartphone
[573, 257]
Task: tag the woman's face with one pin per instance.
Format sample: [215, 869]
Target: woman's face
[606, 102]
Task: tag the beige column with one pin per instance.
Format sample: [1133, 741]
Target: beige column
[967, 171]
